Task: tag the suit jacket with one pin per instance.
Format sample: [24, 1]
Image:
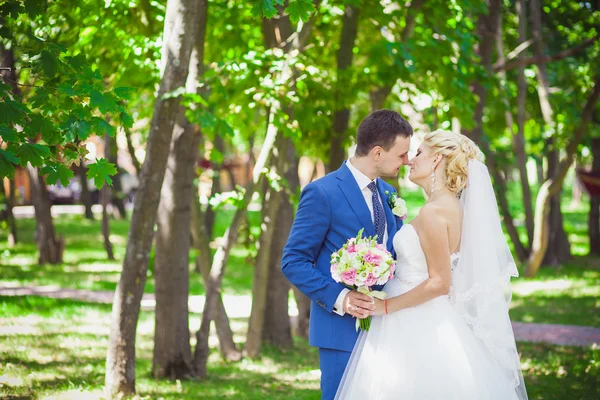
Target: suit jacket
[331, 211]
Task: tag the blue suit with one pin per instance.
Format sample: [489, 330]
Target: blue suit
[331, 211]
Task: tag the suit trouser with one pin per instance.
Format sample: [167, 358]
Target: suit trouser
[333, 363]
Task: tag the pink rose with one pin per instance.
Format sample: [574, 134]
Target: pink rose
[349, 277]
[351, 248]
[381, 247]
[334, 267]
[371, 258]
[392, 269]
[371, 280]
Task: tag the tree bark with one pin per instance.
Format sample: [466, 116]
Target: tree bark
[179, 36]
[552, 186]
[379, 95]
[519, 139]
[594, 215]
[117, 195]
[216, 187]
[131, 150]
[105, 195]
[50, 247]
[555, 229]
[276, 324]
[518, 136]
[213, 286]
[341, 115]
[201, 240]
[172, 350]
[12, 225]
[559, 248]
[303, 304]
[86, 195]
[487, 27]
[269, 318]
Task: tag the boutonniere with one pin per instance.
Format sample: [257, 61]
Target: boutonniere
[397, 204]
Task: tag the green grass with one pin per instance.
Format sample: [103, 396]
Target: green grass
[567, 295]
[58, 347]
[86, 265]
[51, 346]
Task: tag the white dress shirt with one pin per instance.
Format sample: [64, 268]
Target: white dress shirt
[363, 183]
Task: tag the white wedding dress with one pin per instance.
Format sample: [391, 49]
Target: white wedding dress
[427, 352]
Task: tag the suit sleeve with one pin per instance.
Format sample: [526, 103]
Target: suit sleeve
[302, 249]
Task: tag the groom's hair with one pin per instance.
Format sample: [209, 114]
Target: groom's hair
[380, 128]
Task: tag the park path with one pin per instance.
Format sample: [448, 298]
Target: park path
[239, 307]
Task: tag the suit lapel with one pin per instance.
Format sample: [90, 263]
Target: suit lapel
[350, 188]
[389, 216]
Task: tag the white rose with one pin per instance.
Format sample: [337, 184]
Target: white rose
[400, 208]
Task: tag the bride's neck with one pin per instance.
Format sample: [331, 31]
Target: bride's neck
[440, 191]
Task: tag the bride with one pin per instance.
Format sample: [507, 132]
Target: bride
[444, 331]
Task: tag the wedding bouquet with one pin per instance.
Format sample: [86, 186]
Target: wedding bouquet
[361, 264]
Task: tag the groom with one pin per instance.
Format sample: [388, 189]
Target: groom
[332, 210]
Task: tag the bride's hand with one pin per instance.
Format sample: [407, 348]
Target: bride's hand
[379, 307]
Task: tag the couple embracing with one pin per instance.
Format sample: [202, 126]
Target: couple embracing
[443, 331]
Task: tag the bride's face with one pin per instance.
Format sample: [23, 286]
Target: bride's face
[420, 165]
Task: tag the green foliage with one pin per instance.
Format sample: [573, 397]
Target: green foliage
[100, 172]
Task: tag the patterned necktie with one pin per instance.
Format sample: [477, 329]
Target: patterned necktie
[379, 213]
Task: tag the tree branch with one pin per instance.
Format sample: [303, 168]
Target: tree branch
[545, 59]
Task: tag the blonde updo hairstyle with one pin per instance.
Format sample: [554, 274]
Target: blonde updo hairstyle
[458, 150]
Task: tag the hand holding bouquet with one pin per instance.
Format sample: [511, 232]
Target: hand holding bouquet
[361, 264]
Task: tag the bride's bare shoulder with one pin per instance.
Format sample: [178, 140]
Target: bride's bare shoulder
[440, 213]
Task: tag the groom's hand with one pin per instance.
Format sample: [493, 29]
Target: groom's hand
[358, 305]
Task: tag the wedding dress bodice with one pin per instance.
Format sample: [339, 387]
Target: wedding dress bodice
[411, 265]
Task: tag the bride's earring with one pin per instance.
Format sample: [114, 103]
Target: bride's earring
[432, 176]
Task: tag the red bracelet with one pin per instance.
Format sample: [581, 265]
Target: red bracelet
[385, 305]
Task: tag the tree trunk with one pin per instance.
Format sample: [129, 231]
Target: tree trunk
[216, 186]
[552, 186]
[276, 324]
[594, 215]
[117, 195]
[303, 304]
[213, 286]
[50, 246]
[201, 240]
[104, 197]
[559, 248]
[487, 26]
[86, 195]
[12, 225]
[270, 289]
[131, 150]
[341, 115]
[379, 95]
[518, 137]
[172, 350]
[261, 272]
[179, 36]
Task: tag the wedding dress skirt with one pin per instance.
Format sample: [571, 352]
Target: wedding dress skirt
[427, 352]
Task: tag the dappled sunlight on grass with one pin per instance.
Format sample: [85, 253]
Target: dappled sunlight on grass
[567, 295]
[61, 352]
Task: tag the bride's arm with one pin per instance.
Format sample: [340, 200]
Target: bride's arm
[433, 235]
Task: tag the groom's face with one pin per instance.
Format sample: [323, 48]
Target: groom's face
[389, 162]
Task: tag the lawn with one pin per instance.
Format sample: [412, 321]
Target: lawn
[52, 347]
